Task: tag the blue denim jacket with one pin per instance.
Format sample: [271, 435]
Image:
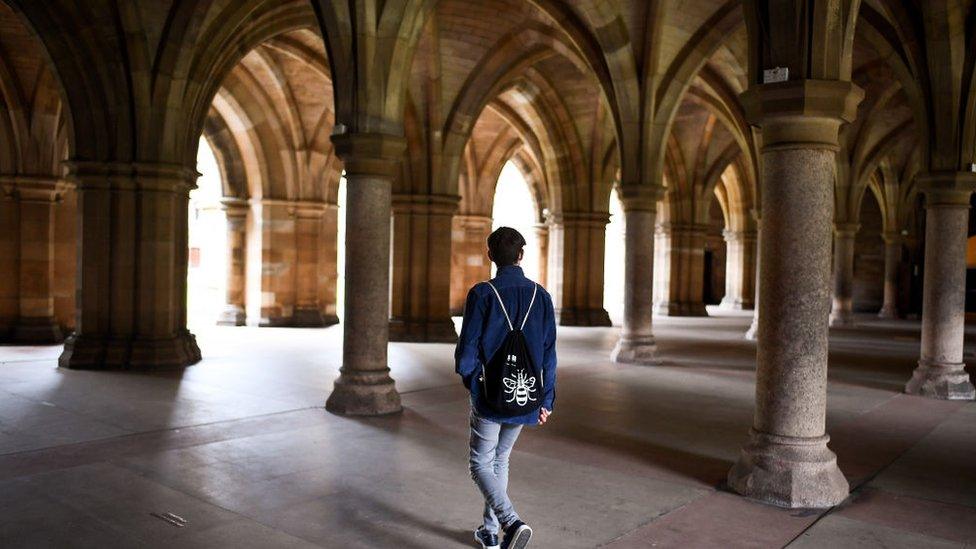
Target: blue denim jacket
[484, 328]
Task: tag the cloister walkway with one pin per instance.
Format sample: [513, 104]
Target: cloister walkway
[239, 446]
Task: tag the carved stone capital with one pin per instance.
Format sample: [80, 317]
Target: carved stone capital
[947, 189]
[640, 197]
[132, 176]
[426, 204]
[368, 154]
[234, 208]
[802, 114]
[34, 189]
[846, 229]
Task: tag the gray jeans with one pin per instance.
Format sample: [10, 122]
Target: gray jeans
[491, 445]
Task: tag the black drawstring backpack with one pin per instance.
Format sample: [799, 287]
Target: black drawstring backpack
[513, 385]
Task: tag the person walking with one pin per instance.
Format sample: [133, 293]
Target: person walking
[506, 357]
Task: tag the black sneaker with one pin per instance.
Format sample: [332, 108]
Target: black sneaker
[485, 538]
[517, 535]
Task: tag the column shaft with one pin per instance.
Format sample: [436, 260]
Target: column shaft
[740, 276]
[420, 303]
[311, 266]
[469, 257]
[636, 343]
[364, 386]
[892, 258]
[752, 334]
[842, 310]
[580, 288]
[940, 372]
[681, 291]
[37, 199]
[236, 260]
[542, 249]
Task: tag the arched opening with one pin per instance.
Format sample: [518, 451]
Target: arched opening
[207, 240]
[613, 261]
[269, 126]
[514, 206]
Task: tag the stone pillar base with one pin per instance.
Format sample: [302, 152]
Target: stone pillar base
[312, 318]
[736, 304]
[370, 393]
[36, 331]
[752, 334]
[943, 381]
[841, 319]
[789, 472]
[232, 315]
[680, 308]
[641, 350]
[888, 312]
[413, 331]
[86, 353]
[583, 317]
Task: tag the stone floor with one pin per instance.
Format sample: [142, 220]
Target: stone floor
[240, 447]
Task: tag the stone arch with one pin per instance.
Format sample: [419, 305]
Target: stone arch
[36, 120]
[508, 61]
[610, 56]
[677, 79]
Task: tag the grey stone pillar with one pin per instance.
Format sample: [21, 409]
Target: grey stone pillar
[364, 386]
[786, 461]
[940, 371]
[842, 311]
[235, 211]
[892, 257]
[636, 344]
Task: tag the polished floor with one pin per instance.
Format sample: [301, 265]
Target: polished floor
[237, 451]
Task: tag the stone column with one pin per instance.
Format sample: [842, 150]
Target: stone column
[940, 371]
[420, 302]
[786, 461]
[37, 199]
[328, 274]
[310, 311]
[842, 311]
[469, 257]
[636, 344]
[542, 240]
[583, 239]
[235, 211]
[752, 334]
[740, 275]
[892, 258]
[364, 386]
[132, 258]
[272, 263]
[681, 289]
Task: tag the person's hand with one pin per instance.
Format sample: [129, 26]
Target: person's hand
[543, 416]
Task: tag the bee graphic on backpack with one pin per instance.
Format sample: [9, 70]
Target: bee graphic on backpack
[519, 385]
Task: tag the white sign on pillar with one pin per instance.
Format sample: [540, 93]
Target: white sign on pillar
[777, 74]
